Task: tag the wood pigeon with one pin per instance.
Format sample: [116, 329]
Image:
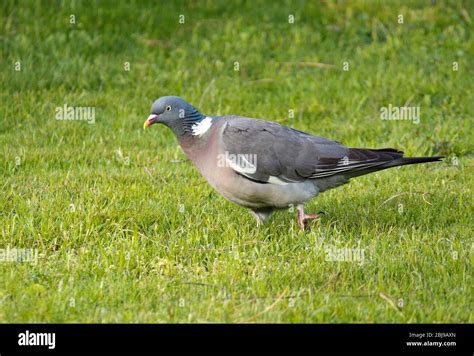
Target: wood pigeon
[265, 166]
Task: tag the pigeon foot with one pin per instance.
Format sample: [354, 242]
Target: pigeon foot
[303, 218]
[262, 215]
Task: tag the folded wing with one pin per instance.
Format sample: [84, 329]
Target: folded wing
[270, 153]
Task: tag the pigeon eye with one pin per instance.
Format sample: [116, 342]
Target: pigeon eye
[168, 108]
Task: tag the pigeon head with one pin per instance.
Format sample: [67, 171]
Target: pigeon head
[174, 112]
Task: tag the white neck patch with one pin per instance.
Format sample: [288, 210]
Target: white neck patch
[202, 126]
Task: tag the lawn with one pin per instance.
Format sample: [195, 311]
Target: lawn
[126, 230]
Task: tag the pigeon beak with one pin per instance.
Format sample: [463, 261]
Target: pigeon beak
[150, 121]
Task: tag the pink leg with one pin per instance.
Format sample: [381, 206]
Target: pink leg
[303, 217]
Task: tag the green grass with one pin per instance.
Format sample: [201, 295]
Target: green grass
[147, 240]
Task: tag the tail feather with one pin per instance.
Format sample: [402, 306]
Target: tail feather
[412, 160]
[396, 160]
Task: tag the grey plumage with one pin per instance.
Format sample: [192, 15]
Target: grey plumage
[266, 166]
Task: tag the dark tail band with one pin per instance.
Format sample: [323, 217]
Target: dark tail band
[412, 160]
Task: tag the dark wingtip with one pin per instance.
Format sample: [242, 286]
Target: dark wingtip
[387, 150]
[414, 160]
